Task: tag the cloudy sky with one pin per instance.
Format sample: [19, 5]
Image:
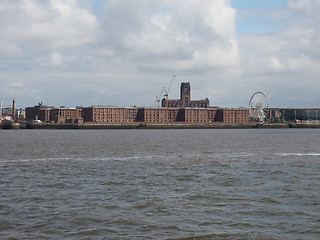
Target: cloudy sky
[122, 52]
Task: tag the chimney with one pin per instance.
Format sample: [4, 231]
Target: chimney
[13, 110]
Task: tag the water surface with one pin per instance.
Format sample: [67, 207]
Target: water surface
[160, 184]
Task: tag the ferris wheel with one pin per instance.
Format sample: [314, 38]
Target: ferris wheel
[259, 106]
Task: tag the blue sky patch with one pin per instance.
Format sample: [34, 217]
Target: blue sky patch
[257, 4]
[252, 15]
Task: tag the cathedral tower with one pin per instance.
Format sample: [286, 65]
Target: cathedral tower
[185, 95]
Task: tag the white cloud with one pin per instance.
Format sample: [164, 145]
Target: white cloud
[41, 24]
[17, 84]
[188, 35]
[275, 64]
[287, 60]
[56, 59]
[132, 48]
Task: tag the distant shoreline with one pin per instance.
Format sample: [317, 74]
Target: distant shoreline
[155, 126]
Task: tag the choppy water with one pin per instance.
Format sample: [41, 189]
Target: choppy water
[160, 184]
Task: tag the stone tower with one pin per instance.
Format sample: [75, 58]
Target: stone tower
[185, 95]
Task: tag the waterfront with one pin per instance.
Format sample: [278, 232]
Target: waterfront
[160, 184]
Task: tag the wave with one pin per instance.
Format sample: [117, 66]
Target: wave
[33, 160]
[114, 158]
[297, 154]
[226, 236]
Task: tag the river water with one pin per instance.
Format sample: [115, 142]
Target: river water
[160, 184]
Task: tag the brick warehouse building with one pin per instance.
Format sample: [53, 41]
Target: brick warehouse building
[195, 115]
[65, 115]
[232, 115]
[159, 115]
[192, 115]
[104, 114]
[40, 112]
[185, 99]
[127, 115]
[48, 114]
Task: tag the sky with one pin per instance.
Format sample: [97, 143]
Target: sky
[123, 52]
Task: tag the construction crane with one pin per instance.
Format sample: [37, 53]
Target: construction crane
[158, 98]
[167, 92]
